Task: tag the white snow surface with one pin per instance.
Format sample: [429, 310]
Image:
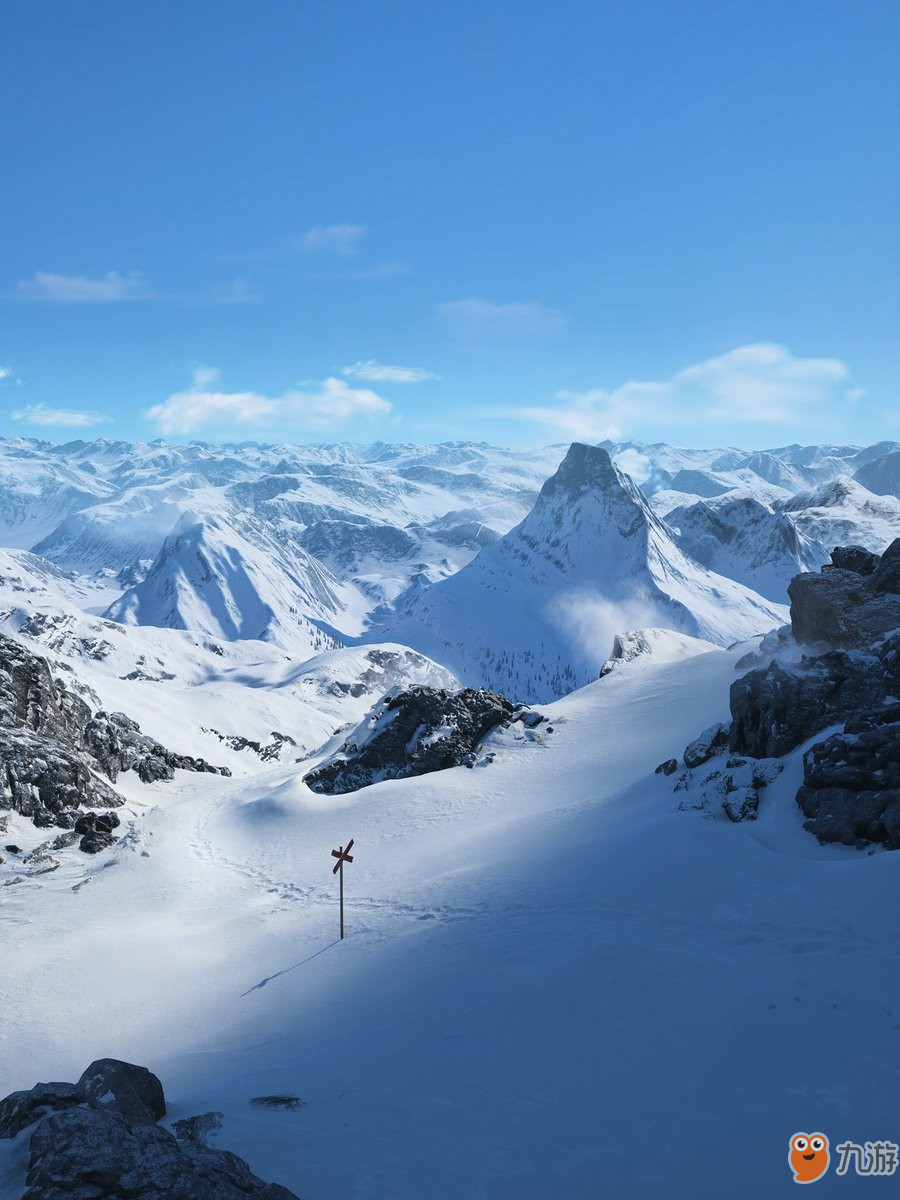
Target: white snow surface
[553, 983]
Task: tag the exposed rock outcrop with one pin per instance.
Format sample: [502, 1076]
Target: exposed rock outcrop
[100, 1138]
[849, 618]
[412, 732]
[53, 750]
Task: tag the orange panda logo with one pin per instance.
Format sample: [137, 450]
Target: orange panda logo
[808, 1156]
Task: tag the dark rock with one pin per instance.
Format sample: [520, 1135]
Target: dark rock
[842, 608]
[410, 733]
[94, 841]
[851, 782]
[95, 1154]
[199, 1128]
[21, 1109]
[886, 577]
[289, 1103]
[741, 804]
[131, 1091]
[669, 767]
[777, 708]
[705, 746]
[853, 558]
[12, 849]
[51, 746]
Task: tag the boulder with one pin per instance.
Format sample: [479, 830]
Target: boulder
[853, 558]
[199, 1128]
[741, 804]
[886, 577]
[706, 745]
[94, 1154]
[21, 1109]
[120, 1087]
[412, 732]
[842, 608]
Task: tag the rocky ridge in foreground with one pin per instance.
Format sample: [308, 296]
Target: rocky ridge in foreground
[100, 1138]
[837, 664]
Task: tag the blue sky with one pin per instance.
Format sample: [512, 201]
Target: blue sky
[521, 222]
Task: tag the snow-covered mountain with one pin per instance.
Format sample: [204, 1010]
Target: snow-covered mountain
[843, 512]
[307, 547]
[535, 613]
[551, 952]
[209, 578]
[746, 540]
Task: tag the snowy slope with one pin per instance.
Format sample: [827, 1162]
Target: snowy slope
[554, 983]
[842, 512]
[534, 614]
[209, 578]
[747, 541]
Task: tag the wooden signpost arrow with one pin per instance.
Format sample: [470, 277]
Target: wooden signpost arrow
[342, 855]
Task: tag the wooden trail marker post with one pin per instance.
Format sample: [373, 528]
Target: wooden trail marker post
[342, 856]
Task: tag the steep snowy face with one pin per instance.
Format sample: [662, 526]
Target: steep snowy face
[534, 614]
[842, 512]
[209, 579]
[881, 475]
[745, 540]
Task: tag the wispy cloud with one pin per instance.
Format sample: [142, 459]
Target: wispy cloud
[329, 239]
[40, 414]
[375, 372]
[762, 383]
[476, 321]
[237, 291]
[324, 407]
[385, 270]
[111, 288]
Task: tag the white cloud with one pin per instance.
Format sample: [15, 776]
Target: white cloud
[238, 291]
[330, 239]
[376, 372]
[478, 321]
[762, 383]
[111, 288]
[40, 414]
[330, 405]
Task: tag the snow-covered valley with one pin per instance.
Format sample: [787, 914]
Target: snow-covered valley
[559, 977]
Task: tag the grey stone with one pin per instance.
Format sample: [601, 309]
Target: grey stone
[199, 1128]
[853, 558]
[706, 745]
[289, 1103]
[851, 782]
[776, 708]
[120, 1087]
[95, 1154]
[886, 577]
[412, 732]
[669, 767]
[741, 804]
[21, 1109]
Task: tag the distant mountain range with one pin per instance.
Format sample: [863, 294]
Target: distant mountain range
[514, 569]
